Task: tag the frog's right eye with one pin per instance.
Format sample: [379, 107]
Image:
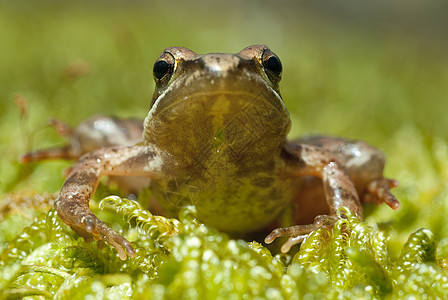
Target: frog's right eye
[164, 67]
[272, 66]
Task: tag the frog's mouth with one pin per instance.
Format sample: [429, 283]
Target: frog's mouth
[214, 113]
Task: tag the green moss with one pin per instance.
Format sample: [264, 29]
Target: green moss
[184, 258]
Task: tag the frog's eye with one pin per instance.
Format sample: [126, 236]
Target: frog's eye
[164, 67]
[272, 65]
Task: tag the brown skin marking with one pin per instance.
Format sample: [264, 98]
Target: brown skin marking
[215, 136]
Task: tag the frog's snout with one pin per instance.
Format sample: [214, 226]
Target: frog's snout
[219, 64]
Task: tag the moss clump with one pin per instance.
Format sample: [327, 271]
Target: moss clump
[184, 258]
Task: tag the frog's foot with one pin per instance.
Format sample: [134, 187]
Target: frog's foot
[298, 233]
[65, 152]
[378, 191]
[62, 128]
[87, 225]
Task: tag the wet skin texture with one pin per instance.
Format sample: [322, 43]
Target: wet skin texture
[215, 137]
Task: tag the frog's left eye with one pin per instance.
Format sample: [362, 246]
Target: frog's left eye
[164, 67]
[272, 65]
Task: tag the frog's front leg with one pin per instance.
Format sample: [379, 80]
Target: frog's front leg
[339, 190]
[72, 205]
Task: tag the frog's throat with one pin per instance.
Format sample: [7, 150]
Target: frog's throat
[218, 117]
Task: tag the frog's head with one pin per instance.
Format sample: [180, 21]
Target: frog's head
[218, 102]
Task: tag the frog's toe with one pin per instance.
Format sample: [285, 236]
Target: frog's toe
[99, 231]
[378, 191]
[291, 231]
[292, 241]
[298, 233]
[121, 244]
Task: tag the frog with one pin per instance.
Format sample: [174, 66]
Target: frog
[215, 137]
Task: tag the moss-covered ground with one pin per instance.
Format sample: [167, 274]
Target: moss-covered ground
[383, 82]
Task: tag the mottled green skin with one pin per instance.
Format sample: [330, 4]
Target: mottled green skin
[227, 150]
[219, 201]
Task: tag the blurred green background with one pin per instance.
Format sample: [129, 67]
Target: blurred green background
[371, 70]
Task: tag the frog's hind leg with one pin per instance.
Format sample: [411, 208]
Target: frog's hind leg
[97, 132]
[309, 201]
[63, 129]
[378, 192]
[66, 152]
